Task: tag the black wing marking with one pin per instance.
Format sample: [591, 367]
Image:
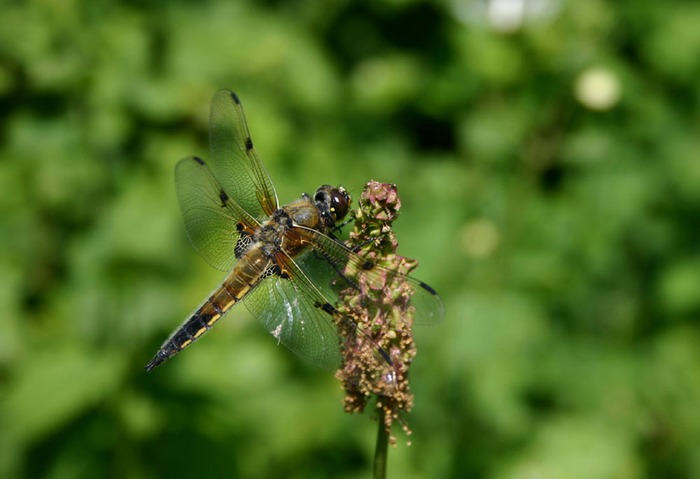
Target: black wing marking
[235, 164]
[429, 308]
[214, 222]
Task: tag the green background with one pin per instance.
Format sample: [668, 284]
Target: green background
[563, 237]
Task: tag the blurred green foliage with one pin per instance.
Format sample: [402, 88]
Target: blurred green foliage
[549, 166]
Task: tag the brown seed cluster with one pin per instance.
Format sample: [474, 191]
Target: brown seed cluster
[379, 350]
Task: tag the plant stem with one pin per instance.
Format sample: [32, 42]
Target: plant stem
[381, 451]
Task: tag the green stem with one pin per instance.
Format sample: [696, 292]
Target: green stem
[381, 451]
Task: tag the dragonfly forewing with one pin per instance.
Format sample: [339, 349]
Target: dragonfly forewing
[234, 159]
[211, 217]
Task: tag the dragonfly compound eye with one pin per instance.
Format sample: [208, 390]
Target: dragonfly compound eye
[340, 202]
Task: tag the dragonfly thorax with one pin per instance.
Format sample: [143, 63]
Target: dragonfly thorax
[270, 234]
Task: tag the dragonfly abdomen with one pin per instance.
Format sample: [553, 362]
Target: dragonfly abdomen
[233, 289]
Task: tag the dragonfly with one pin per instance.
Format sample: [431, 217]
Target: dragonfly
[284, 263]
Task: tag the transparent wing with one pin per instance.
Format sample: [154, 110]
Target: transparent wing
[235, 164]
[429, 308]
[211, 217]
[292, 314]
[298, 314]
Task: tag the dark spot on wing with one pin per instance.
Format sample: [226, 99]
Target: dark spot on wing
[235, 98]
[327, 307]
[241, 247]
[239, 227]
[428, 288]
[224, 198]
[248, 144]
[198, 160]
[385, 355]
[367, 265]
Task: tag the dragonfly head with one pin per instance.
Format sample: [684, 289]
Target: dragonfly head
[333, 203]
